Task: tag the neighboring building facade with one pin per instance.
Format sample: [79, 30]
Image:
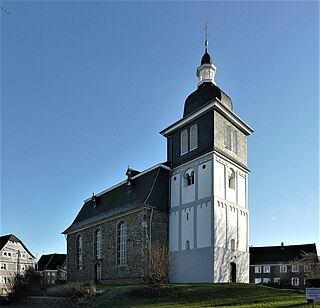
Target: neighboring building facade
[200, 210]
[277, 264]
[15, 258]
[209, 216]
[52, 268]
[110, 238]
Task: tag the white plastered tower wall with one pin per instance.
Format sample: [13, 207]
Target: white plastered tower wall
[209, 215]
[190, 223]
[231, 222]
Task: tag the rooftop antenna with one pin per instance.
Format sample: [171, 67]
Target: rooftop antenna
[206, 32]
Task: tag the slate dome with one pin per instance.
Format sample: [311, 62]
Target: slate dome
[206, 59]
[205, 93]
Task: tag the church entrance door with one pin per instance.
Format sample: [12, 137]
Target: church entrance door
[233, 272]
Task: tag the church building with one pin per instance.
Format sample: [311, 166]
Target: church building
[196, 202]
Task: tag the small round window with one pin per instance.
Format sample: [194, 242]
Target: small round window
[204, 166]
[175, 178]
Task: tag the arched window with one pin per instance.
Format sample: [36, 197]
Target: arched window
[189, 177]
[79, 252]
[187, 245]
[184, 142]
[121, 246]
[97, 244]
[193, 137]
[232, 179]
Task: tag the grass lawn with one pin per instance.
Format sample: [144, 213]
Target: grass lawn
[198, 295]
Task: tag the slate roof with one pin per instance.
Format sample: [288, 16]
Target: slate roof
[205, 93]
[279, 254]
[10, 237]
[51, 261]
[150, 188]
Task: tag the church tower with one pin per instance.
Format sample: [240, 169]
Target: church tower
[209, 215]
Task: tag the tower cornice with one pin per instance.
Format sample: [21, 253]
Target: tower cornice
[212, 105]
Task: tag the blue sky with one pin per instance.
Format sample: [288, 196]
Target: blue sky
[87, 86]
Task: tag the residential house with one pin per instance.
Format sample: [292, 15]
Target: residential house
[278, 264]
[52, 268]
[15, 258]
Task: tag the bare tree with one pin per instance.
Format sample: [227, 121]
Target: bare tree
[158, 263]
[309, 265]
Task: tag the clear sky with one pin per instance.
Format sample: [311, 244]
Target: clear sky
[87, 86]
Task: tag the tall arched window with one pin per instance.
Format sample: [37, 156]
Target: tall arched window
[79, 252]
[97, 244]
[121, 245]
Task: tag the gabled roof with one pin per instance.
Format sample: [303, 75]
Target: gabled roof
[147, 188]
[51, 261]
[10, 237]
[279, 254]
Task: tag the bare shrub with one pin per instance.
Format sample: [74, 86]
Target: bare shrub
[22, 285]
[158, 263]
[72, 290]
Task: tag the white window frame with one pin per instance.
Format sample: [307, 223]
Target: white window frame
[283, 268]
[97, 243]
[79, 251]
[257, 280]
[276, 280]
[3, 266]
[184, 142]
[193, 134]
[257, 269]
[295, 269]
[266, 269]
[295, 281]
[266, 280]
[121, 243]
[231, 139]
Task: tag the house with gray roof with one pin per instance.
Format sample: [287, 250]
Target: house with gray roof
[277, 264]
[15, 258]
[52, 268]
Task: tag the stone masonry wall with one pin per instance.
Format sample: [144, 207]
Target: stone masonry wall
[137, 244]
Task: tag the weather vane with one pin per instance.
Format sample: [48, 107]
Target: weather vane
[206, 32]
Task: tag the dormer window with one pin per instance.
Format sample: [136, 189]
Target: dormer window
[94, 200]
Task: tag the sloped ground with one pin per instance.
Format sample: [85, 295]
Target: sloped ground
[197, 295]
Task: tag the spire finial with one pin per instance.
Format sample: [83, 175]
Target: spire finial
[206, 33]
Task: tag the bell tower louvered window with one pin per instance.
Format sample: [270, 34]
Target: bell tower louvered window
[193, 137]
[184, 142]
[231, 139]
